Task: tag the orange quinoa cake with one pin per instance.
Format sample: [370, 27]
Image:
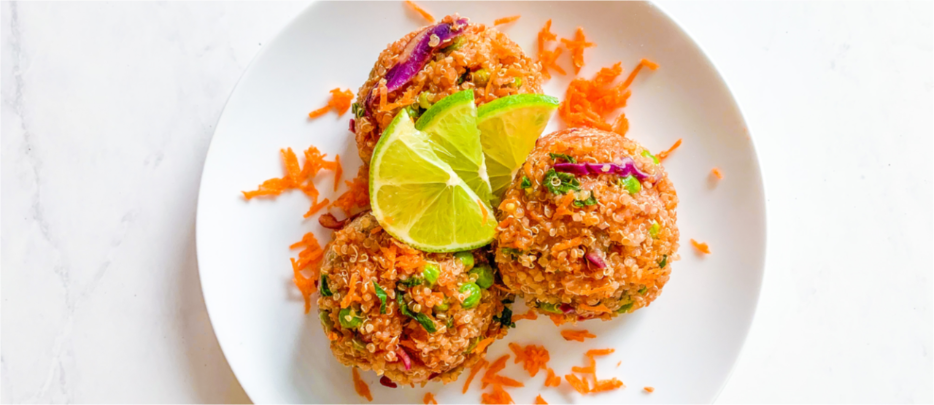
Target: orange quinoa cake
[434, 62]
[409, 315]
[588, 226]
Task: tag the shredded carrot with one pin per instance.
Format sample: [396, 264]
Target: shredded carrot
[607, 385]
[716, 172]
[533, 357]
[308, 258]
[545, 35]
[319, 112]
[502, 380]
[483, 344]
[621, 125]
[383, 95]
[632, 75]
[486, 215]
[618, 363]
[498, 396]
[549, 60]
[340, 101]
[649, 389]
[701, 247]
[599, 352]
[578, 384]
[568, 244]
[273, 186]
[357, 195]
[530, 315]
[577, 46]
[495, 367]
[473, 372]
[351, 295]
[584, 370]
[578, 335]
[552, 380]
[540, 401]
[338, 171]
[362, 389]
[598, 308]
[505, 20]
[429, 399]
[428, 17]
[587, 102]
[317, 207]
[664, 154]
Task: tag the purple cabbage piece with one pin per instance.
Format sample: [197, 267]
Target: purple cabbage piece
[415, 55]
[625, 167]
[595, 260]
[566, 308]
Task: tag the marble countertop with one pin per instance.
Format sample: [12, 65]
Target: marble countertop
[108, 109]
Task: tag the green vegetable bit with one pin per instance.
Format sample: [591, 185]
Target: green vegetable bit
[424, 99]
[592, 200]
[466, 258]
[426, 322]
[648, 154]
[473, 295]
[358, 344]
[643, 290]
[664, 261]
[443, 306]
[473, 345]
[381, 294]
[349, 318]
[430, 273]
[548, 307]
[654, 228]
[455, 45]
[631, 184]
[561, 183]
[505, 317]
[326, 321]
[512, 252]
[411, 281]
[568, 158]
[357, 110]
[449, 323]
[484, 276]
[414, 111]
[480, 77]
[625, 308]
[517, 82]
[526, 183]
[323, 286]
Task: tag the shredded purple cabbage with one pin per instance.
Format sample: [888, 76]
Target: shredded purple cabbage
[595, 260]
[386, 382]
[406, 360]
[625, 167]
[566, 308]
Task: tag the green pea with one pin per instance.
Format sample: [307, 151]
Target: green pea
[443, 306]
[358, 344]
[430, 273]
[326, 321]
[466, 258]
[631, 184]
[349, 318]
[473, 295]
[480, 77]
[547, 307]
[653, 230]
[648, 154]
[484, 276]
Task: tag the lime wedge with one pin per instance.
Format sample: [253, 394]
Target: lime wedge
[508, 129]
[419, 199]
[451, 125]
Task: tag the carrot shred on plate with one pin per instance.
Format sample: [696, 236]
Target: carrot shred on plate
[429, 399]
[577, 46]
[497, 396]
[530, 315]
[357, 196]
[579, 385]
[540, 401]
[716, 173]
[483, 344]
[502, 380]
[473, 372]
[578, 335]
[649, 389]
[664, 154]
[587, 102]
[607, 385]
[427, 16]
[495, 367]
[701, 247]
[545, 35]
[340, 102]
[552, 380]
[548, 59]
[319, 112]
[532, 357]
[599, 352]
[362, 389]
[506, 20]
[317, 207]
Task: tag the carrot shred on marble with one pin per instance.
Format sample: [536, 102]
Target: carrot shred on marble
[362, 389]
[506, 20]
[429, 399]
[701, 247]
[427, 16]
[577, 46]
[540, 401]
[716, 173]
[664, 154]
[649, 389]
[578, 335]
[319, 112]
[473, 373]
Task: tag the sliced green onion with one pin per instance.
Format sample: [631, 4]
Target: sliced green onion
[631, 184]
[349, 318]
[381, 294]
[323, 286]
[484, 276]
[430, 273]
[654, 228]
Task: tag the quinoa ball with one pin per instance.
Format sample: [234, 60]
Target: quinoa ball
[587, 245]
[449, 307]
[479, 58]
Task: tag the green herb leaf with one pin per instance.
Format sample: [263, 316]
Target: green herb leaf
[586, 203]
[556, 156]
[323, 286]
[505, 318]
[625, 308]
[381, 294]
[561, 183]
[526, 183]
[664, 261]
[426, 322]
[515, 253]
[411, 281]
[402, 307]
[643, 290]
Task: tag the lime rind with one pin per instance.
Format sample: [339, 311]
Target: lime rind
[427, 205]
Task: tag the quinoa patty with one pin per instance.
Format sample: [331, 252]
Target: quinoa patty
[447, 312]
[586, 241]
[478, 58]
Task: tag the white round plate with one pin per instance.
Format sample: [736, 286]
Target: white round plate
[684, 344]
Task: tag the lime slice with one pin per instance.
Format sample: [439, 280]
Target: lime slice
[419, 199]
[508, 129]
[451, 125]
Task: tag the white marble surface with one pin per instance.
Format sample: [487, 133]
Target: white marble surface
[107, 111]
